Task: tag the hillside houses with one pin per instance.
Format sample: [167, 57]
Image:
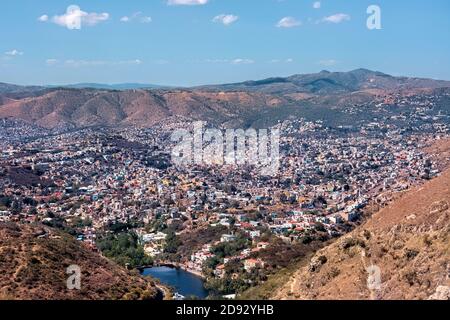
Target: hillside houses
[96, 180]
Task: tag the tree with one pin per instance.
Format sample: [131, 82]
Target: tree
[125, 249]
[172, 242]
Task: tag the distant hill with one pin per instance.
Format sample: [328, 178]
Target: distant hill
[12, 88]
[253, 103]
[409, 241]
[326, 82]
[33, 263]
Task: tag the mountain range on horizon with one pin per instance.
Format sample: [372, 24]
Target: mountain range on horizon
[293, 79]
[252, 103]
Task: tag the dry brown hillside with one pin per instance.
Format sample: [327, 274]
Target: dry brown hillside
[33, 262]
[408, 241]
[80, 108]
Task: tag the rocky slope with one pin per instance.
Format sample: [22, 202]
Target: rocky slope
[407, 243]
[33, 263]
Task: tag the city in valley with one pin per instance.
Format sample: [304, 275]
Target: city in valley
[117, 191]
[214, 158]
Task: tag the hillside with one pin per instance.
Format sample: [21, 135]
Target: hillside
[33, 262]
[136, 107]
[262, 103]
[409, 242]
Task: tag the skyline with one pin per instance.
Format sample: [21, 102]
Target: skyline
[195, 42]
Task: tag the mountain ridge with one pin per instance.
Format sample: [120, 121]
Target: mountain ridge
[332, 82]
[360, 72]
[271, 99]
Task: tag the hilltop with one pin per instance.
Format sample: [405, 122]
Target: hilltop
[326, 82]
[33, 262]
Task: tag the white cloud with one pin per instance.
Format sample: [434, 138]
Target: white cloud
[226, 19]
[186, 2]
[75, 18]
[317, 5]
[97, 63]
[14, 53]
[227, 61]
[135, 62]
[288, 22]
[217, 60]
[336, 18]
[242, 61]
[289, 60]
[328, 62]
[146, 19]
[51, 62]
[137, 16]
[43, 18]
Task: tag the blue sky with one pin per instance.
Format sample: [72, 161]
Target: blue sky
[217, 41]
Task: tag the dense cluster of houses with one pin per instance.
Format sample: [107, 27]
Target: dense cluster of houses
[105, 176]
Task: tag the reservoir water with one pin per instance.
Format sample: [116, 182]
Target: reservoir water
[185, 283]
